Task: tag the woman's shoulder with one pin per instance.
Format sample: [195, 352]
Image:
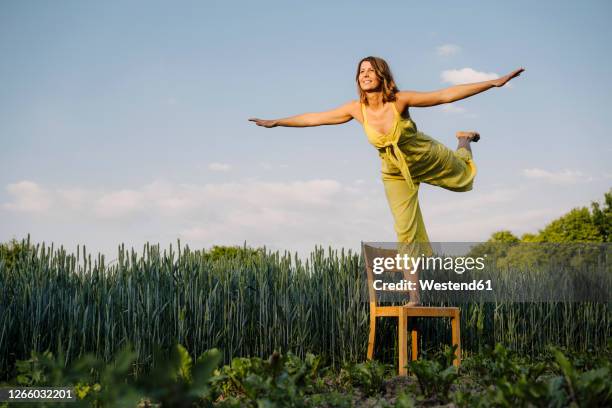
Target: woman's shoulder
[355, 103]
[354, 108]
[401, 103]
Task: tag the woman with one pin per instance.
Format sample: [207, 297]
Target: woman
[409, 157]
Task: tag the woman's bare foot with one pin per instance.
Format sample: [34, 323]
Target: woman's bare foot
[471, 136]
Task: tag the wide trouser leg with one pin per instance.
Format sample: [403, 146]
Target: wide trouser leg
[404, 204]
[409, 225]
[453, 170]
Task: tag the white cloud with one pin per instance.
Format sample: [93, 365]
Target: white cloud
[474, 202]
[219, 167]
[270, 166]
[466, 75]
[560, 177]
[119, 203]
[480, 228]
[232, 209]
[277, 210]
[446, 50]
[292, 215]
[285, 214]
[27, 197]
[74, 198]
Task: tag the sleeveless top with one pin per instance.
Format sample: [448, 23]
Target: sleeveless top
[400, 139]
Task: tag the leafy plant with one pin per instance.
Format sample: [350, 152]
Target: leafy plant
[437, 375]
[282, 379]
[368, 376]
[590, 388]
[177, 382]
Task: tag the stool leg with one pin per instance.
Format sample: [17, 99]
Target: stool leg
[415, 341]
[372, 336]
[456, 338]
[402, 328]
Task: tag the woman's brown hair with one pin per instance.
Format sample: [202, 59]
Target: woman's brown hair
[388, 87]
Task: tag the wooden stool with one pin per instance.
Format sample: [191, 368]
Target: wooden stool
[404, 313]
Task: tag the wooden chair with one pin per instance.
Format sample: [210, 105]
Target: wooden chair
[404, 315]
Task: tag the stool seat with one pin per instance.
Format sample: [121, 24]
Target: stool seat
[431, 311]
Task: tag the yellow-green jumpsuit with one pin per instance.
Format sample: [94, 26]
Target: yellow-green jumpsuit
[410, 157]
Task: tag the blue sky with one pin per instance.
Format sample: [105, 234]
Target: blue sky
[127, 121]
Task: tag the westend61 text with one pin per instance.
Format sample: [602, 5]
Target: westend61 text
[458, 264]
[404, 285]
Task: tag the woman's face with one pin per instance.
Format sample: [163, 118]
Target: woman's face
[368, 80]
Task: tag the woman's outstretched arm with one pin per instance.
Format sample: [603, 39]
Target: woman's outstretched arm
[336, 116]
[453, 93]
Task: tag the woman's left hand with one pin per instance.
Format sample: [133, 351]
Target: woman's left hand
[264, 123]
[502, 81]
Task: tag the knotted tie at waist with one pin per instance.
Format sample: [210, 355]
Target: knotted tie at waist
[395, 155]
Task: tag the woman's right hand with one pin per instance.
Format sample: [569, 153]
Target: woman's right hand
[264, 123]
[502, 81]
